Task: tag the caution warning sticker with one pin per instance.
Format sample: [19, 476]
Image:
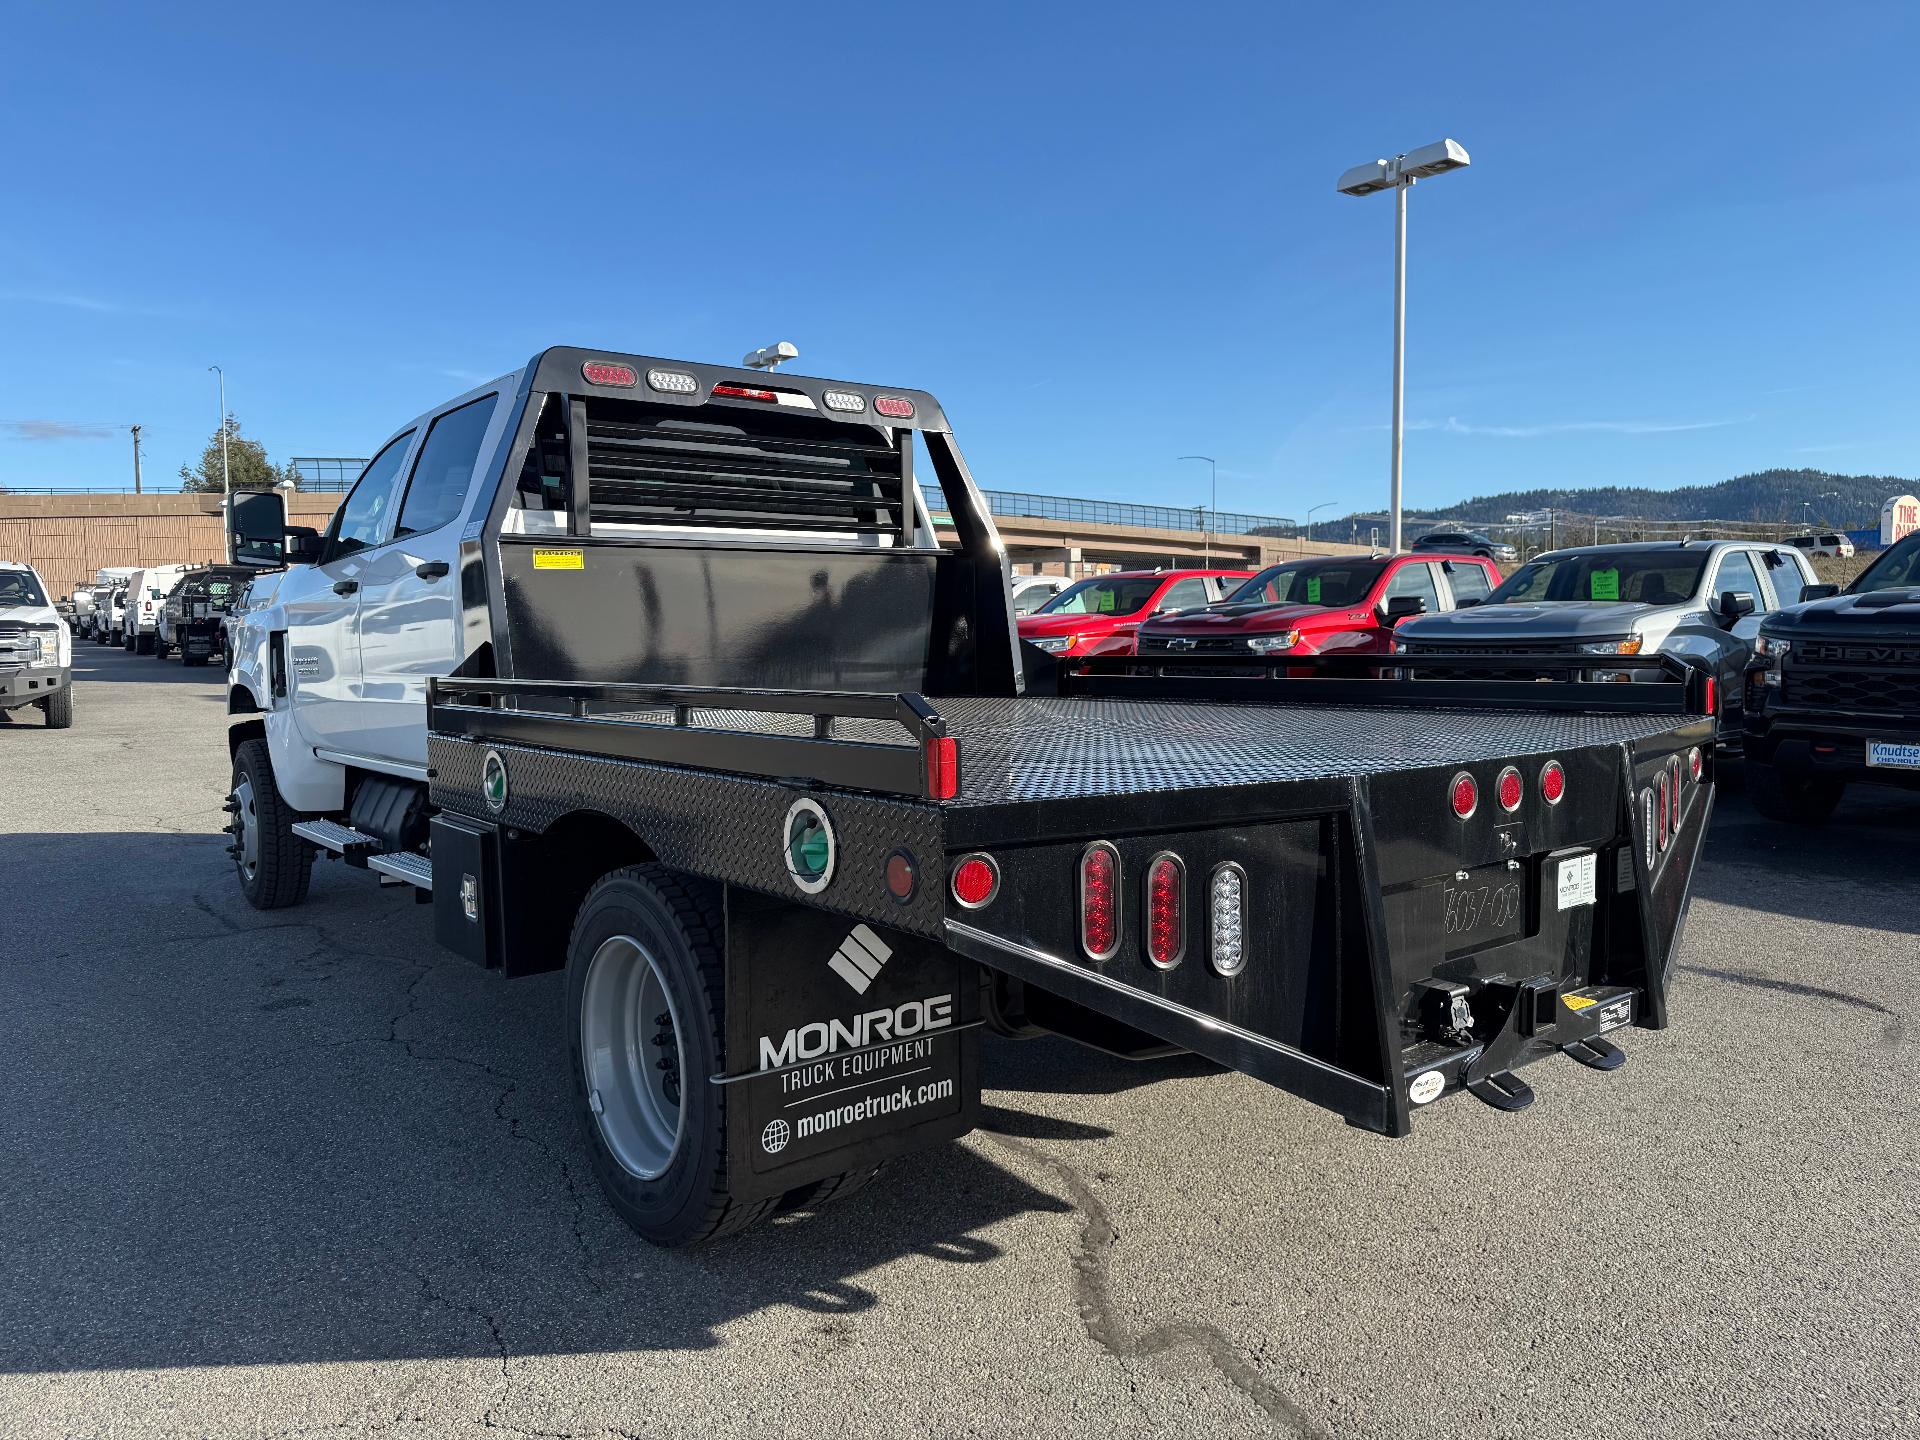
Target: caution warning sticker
[1578, 1002]
[547, 557]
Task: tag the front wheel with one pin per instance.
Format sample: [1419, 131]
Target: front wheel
[1794, 799]
[646, 981]
[273, 863]
[58, 708]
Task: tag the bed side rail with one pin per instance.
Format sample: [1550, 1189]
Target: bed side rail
[674, 726]
[1663, 684]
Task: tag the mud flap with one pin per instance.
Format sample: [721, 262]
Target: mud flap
[847, 1044]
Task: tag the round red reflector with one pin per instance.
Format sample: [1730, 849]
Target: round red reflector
[895, 407]
[903, 876]
[1465, 795]
[1100, 901]
[603, 372]
[1511, 790]
[1553, 782]
[1694, 764]
[1166, 910]
[974, 881]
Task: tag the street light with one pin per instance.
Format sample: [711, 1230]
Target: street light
[226, 480]
[1213, 500]
[1398, 174]
[1315, 511]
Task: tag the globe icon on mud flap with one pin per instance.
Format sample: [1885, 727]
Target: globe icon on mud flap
[774, 1138]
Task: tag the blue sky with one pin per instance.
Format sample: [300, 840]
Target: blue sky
[1105, 236]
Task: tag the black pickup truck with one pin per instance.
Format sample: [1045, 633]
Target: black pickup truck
[1833, 694]
[193, 619]
[723, 731]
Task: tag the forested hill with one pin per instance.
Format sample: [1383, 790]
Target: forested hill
[1771, 496]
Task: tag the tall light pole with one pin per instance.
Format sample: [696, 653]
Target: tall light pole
[1398, 175]
[226, 479]
[1324, 505]
[1213, 501]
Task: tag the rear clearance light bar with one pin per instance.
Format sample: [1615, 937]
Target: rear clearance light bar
[605, 372]
[1509, 789]
[894, 407]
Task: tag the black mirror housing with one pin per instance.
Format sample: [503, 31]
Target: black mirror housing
[303, 546]
[1735, 603]
[1402, 607]
[1465, 602]
[1819, 592]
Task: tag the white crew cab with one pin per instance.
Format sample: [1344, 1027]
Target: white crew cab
[147, 591]
[36, 651]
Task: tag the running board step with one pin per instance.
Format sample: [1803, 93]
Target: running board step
[415, 870]
[343, 840]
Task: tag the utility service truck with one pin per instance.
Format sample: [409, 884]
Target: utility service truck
[655, 672]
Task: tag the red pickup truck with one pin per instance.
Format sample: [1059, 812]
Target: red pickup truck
[1344, 604]
[1098, 616]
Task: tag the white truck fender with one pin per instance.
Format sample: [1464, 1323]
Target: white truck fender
[306, 782]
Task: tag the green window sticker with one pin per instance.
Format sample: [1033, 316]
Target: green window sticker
[1604, 585]
[1106, 603]
[1313, 589]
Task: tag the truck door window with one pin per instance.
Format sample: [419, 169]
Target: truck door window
[1415, 580]
[1469, 582]
[438, 490]
[1736, 574]
[360, 521]
[1188, 594]
[1784, 570]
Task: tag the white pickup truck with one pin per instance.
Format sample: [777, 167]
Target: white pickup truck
[36, 651]
[147, 591]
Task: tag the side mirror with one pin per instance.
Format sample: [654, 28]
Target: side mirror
[1735, 603]
[303, 546]
[1466, 602]
[1819, 592]
[256, 528]
[1399, 608]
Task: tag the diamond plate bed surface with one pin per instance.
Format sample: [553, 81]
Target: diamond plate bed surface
[1051, 748]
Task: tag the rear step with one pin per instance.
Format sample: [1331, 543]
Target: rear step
[415, 870]
[343, 840]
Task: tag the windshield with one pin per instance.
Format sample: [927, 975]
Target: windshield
[1656, 577]
[1899, 566]
[1106, 595]
[1310, 582]
[18, 587]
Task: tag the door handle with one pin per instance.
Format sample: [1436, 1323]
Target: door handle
[345, 587]
[430, 569]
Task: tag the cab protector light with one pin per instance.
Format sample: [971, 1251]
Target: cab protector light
[1713, 696]
[605, 372]
[976, 880]
[672, 382]
[1166, 910]
[1100, 901]
[1553, 782]
[1510, 790]
[1227, 918]
[846, 402]
[791, 398]
[1464, 793]
[894, 407]
[942, 766]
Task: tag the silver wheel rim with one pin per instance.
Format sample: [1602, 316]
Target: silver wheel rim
[630, 1048]
[246, 830]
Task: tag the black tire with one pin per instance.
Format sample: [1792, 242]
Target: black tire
[160, 648]
[678, 921]
[186, 659]
[58, 708]
[142, 644]
[1790, 798]
[283, 863]
[826, 1192]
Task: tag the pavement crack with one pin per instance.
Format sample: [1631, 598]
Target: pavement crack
[1893, 1032]
[1093, 1287]
[575, 1199]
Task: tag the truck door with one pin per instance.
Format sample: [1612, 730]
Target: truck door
[409, 620]
[322, 601]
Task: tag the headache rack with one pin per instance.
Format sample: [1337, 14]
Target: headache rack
[659, 464]
[1396, 680]
[792, 733]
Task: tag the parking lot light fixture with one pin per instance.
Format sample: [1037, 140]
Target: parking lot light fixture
[1315, 510]
[1397, 175]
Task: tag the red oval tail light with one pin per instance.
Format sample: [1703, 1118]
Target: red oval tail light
[1100, 900]
[1166, 910]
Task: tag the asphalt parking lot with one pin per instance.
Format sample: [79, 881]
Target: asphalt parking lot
[303, 1173]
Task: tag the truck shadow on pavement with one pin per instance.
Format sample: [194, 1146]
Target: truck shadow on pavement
[245, 1138]
[1860, 858]
[115, 666]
